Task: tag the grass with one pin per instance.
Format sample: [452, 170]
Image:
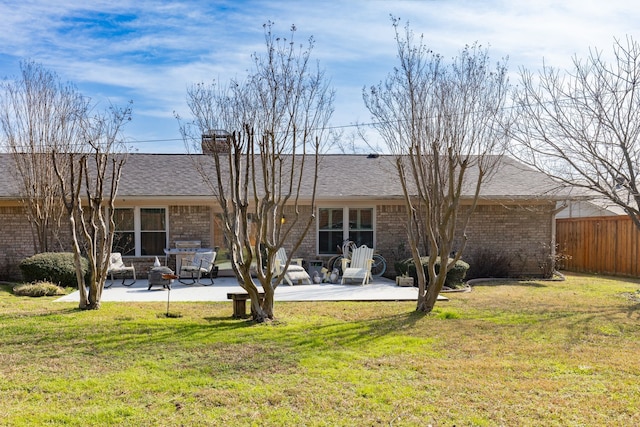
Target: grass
[519, 353]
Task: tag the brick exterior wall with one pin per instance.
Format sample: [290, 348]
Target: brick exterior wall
[190, 223]
[307, 248]
[16, 240]
[391, 238]
[522, 232]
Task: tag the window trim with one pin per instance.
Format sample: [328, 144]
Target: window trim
[345, 230]
[137, 225]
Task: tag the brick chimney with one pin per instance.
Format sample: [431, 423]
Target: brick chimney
[215, 141]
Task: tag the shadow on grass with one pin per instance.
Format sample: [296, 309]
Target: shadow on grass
[350, 335]
[287, 340]
[227, 322]
[634, 310]
[39, 313]
[243, 346]
[6, 286]
[508, 282]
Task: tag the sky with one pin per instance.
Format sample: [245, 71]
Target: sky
[150, 52]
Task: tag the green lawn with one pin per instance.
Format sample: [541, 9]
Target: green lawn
[513, 354]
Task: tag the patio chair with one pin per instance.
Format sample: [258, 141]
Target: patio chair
[201, 265]
[117, 266]
[295, 272]
[359, 266]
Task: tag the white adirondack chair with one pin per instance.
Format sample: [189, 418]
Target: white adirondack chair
[359, 266]
[295, 272]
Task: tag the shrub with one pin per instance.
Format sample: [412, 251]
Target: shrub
[38, 289]
[455, 276]
[55, 267]
[402, 266]
[485, 263]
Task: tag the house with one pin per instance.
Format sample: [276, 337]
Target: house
[590, 208]
[162, 199]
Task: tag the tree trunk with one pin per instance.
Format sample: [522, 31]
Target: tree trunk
[264, 311]
[427, 301]
[77, 260]
[94, 294]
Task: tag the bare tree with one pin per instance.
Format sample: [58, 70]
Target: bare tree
[444, 124]
[89, 190]
[582, 126]
[39, 114]
[61, 153]
[268, 164]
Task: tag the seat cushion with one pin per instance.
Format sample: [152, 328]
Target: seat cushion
[355, 272]
[297, 275]
[192, 268]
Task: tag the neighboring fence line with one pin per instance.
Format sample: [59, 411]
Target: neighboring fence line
[603, 245]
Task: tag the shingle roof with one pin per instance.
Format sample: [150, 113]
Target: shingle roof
[341, 177]
[9, 180]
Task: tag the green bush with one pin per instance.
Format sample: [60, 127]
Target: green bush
[455, 276]
[55, 267]
[38, 289]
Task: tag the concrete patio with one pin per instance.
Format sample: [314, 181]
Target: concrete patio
[380, 289]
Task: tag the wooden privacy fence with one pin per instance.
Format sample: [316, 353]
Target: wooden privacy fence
[603, 245]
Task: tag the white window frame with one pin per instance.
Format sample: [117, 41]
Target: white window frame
[137, 225]
[345, 230]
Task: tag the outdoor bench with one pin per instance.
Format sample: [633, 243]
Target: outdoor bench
[240, 303]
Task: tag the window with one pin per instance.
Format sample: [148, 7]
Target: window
[140, 231]
[329, 230]
[361, 226]
[153, 234]
[124, 236]
[338, 224]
